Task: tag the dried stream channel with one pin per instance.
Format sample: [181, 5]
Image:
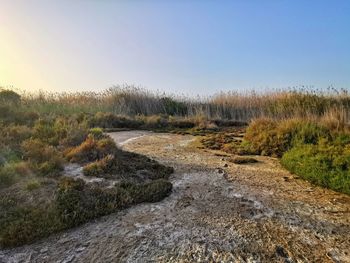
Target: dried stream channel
[218, 212]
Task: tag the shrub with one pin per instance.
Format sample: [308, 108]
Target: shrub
[13, 135]
[243, 160]
[46, 132]
[153, 191]
[272, 137]
[9, 97]
[24, 224]
[97, 133]
[8, 155]
[32, 185]
[91, 150]
[180, 123]
[103, 167]
[60, 131]
[110, 120]
[8, 175]
[315, 152]
[44, 158]
[75, 134]
[261, 135]
[155, 121]
[77, 202]
[323, 164]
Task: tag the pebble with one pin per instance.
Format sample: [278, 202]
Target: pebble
[44, 250]
[80, 249]
[68, 259]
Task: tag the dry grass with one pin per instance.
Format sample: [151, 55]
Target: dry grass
[132, 101]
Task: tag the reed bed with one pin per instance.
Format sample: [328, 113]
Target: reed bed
[133, 101]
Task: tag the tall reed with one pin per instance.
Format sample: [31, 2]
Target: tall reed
[231, 105]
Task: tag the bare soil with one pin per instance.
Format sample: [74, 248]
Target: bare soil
[218, 212]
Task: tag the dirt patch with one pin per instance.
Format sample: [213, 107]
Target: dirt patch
[236, 213]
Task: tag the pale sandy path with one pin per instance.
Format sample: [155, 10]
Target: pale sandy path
[254, 213]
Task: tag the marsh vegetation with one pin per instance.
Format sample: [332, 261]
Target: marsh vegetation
[41, 133]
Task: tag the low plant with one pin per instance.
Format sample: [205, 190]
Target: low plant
[243, 160]
[77, 202]
[8, 176]
[325, 164]
[22, 225]
[44, 159]
[110, 120]
[11, 172]
[316, 151]
[97, 133]
[104, 167]
[32, 185]
[91, 149]
[274, 137]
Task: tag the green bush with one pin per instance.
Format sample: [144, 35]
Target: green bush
[97, 133]
[8, 154]
[8, 175]
[45, 131]
[274, 137]
[323, 164]
[309, 149]
[75, 204]
[153, 191]
[32, 185]
[78, 203]
[22, 225]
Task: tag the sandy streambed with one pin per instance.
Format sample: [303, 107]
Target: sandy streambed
[218, 212]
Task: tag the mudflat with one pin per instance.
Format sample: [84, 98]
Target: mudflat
[218, 212]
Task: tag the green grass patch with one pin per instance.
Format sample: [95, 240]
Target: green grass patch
[323, 164]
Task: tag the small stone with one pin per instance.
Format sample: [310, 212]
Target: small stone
[220, 171]
[225, 165]
[64, 240]
[280, 251]
[68, 259]
[44, 250]
[80, 249]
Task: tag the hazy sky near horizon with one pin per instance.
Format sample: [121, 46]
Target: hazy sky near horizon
[191, 47]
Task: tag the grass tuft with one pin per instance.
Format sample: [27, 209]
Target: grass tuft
[243, 160]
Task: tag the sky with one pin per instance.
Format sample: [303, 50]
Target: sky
[188, 47]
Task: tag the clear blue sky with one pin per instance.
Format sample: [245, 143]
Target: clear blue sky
[192, 47]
